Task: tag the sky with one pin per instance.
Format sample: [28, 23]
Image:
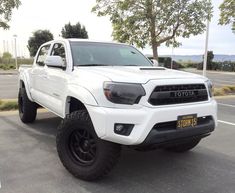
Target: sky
[54, 14]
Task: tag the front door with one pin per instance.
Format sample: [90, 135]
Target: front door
[56, 81]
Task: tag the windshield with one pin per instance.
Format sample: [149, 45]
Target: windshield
[106, 54]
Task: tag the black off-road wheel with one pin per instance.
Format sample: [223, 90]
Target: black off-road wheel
[27, 108]
[180, 148]
[80, 150]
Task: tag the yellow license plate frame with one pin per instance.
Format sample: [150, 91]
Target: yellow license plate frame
[187, 121]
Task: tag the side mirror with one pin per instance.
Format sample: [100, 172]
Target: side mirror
[55, 61]
[155, 62]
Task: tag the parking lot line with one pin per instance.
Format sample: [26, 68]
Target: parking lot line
[226, 105]
[226, 122]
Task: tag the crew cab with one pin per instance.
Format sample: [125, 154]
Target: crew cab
[110, 95]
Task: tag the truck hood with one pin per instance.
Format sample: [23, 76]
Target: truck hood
[133, 74]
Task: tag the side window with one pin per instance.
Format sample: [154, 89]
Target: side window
[42, 55]
[58, 50]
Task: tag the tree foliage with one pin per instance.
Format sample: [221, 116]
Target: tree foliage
[39, 37]
[227, 13]
[154, 22]
[74, 31]
[6, 58]
[6, 7]
[210, 57]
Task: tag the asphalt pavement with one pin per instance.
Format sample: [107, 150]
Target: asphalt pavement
[9, 88]
[219, 79]
[29, 162]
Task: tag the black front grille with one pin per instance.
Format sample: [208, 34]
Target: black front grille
[176, 94]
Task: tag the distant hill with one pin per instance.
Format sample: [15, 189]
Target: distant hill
[199, 58]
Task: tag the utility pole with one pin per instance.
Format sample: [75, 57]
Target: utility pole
[15, 36]
[206, 47]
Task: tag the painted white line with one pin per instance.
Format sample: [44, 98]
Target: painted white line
[226, 122]
[226, 105]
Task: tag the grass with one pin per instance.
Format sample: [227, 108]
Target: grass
[225, 90]
[7, 105]
[11, 63]
[7, 66]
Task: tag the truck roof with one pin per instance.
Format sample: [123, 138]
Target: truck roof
[83, 40]
[96, 41]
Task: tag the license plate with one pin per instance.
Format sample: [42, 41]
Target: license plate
[185, 121]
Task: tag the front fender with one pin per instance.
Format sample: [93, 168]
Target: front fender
[82, 94]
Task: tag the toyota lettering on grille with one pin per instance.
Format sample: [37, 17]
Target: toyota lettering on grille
[183, 93]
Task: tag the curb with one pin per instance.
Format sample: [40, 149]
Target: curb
[9, 73]
[193, 70]
[224, 97]
[15, 112]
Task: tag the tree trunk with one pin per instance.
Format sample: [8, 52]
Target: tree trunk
[155, 52]
[152, 18]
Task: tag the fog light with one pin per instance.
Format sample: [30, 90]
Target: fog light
[123, 129]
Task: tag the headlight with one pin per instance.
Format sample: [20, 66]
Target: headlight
[123, 93]
[210, 87]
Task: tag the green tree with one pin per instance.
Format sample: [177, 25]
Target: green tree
[39, 37]
[6, 7]
[6, 58]
[74, 31]
[154, 22]
[210, 57]
[227, 13]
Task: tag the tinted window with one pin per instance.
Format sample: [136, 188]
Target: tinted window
[85, 53]
[58, 50]
[42, 55]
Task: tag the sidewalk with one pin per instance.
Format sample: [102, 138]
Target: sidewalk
[8, 72]
[208, 71]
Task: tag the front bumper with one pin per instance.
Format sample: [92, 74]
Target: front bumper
[145, 118]
[171, 136]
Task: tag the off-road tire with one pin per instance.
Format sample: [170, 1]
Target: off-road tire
[27, 108]
[69, 140]
[180, 148]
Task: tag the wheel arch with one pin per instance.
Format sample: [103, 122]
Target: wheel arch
[23, 83]
[77, 98]
[74, 104]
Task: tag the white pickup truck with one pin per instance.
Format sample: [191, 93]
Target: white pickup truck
[109, 95]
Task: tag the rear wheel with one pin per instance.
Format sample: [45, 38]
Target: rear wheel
[81, 151]
[27, 108]
[180, 148]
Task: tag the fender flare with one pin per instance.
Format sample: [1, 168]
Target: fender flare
[25, 79]
[80, 93]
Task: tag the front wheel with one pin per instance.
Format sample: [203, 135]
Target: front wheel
[27, 108]
[81, 151]
[180, 148]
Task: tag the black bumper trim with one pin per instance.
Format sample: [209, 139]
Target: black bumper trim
[157, 138]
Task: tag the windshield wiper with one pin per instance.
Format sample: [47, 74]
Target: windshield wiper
[93, 65]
